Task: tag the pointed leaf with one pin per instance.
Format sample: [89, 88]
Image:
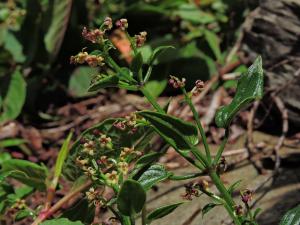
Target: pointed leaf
[256, 212]
[56, 32]
[14, 98]
[249, 88]
[292, 217]
[214, 43]
[208, 207]
[62, 155]
[131, 198]
[157, 52]
[162, 211]
[26, 172]
[137, 63]
[153, 175]
[107, 81]
[148, 159]
[234, 186]
[176, 132]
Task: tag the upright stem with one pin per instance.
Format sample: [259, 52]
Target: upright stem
[225, 195]
[199, 125]
[151, 100]
[221, 148]
[144, 215]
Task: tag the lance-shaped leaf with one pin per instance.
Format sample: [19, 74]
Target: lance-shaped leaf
[154, 174]
[26, 172]
[249, 88]
[176, 132]
[14, 99]
[59, 23]
[157, 52]
[107, 81]
[131, 198]
[162, 211]
[292, 217]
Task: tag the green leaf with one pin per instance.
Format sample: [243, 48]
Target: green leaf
[86, 215]
[12, 44]
[14, 98]
[104, 82]
[26, 172]
[59, 23]
[11, 142]
[62, 155]
[176, 132]
[162, 211]
[208, 207]
[131, 198]
[153, 175]
[61, 221]
[256, 212]
[192, 13]
[80, 80]
[214, 43]
[157, 52]
[249, 88]
[233, 186]
[147, 159]
[137, 63]
[23, 214]
[4, 156]
[156, 87]
[292, 217]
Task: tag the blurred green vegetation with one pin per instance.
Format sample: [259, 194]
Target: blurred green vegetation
[37, 38]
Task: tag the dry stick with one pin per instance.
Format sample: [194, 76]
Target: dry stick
[285, 126]
[284, 114]
[44, 215]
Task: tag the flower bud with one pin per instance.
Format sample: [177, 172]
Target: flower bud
[122, 24]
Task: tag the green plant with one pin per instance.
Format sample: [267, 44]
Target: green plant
[115, 155]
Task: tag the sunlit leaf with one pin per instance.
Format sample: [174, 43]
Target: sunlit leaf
[291, 217]
[153, 175]
[249, 88]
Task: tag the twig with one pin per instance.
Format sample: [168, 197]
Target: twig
[285, 126]
[46, 214]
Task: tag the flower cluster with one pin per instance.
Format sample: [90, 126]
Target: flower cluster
[140, 38]
[122, 24]
[84, 57]
[190, 191]
[246, 196]
[94, 195]
[199, 86]
[176, 82]
[129, 122]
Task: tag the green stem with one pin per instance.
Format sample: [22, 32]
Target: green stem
[132, 220]
[151, 100]
[144, 215]
[221, 148]
[186, 177]
[229, 203]
[133, 46]
[199, 125]
[148, 73]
